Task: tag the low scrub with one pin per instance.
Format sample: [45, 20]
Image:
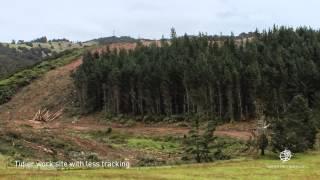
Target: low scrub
[29, 146]
[153, 145]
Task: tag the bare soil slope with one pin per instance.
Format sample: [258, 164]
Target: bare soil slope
[50, 91]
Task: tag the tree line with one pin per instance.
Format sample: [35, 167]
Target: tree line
[221, 77]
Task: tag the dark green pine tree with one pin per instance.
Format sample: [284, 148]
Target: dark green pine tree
[297, 130]
[208, 140]
[316, 110]
[198, 146]
[192, 143]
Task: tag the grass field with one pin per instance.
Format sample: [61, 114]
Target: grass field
[302, 166]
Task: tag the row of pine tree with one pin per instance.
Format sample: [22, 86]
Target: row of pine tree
[223, 77]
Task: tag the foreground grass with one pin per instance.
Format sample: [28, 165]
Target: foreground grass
[303, 166]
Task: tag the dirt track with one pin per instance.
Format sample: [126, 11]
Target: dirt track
[154, 130]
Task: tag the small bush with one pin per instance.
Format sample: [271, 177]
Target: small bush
[130, 123]
[93, 157]
[144, 161]
[102, 134]
[150, 144]
[182, 124]
[147, 119]
[219, 155]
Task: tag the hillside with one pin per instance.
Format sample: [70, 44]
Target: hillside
[142, 139]
[12, 59]
[18, 55]
[159, 90]
[54, 46]
[50, 90]
[72, 133]
[111, 40]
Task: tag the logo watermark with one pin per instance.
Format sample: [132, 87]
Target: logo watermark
[285, 155]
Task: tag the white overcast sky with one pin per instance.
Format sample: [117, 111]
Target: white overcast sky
[81, 20]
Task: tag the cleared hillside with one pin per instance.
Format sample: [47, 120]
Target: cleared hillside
[50, 90]
[71, 134]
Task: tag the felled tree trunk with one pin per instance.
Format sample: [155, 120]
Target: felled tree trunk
[44, 115]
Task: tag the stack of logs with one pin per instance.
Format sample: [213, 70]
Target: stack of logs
[44, 115]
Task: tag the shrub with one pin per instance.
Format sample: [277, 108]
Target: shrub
[198, 146]
[130, 123]
[219, 155]
[297, 130]
[149, 161]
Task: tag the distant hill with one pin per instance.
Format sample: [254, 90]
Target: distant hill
[13, 59]
[55, 45]
[113, 39]
[17, 55]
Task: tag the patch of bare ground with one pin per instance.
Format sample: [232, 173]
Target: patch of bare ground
[91, 123]
[240, 130]
[94, 146]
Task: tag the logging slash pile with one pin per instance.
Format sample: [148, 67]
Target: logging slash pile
[44, 115]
